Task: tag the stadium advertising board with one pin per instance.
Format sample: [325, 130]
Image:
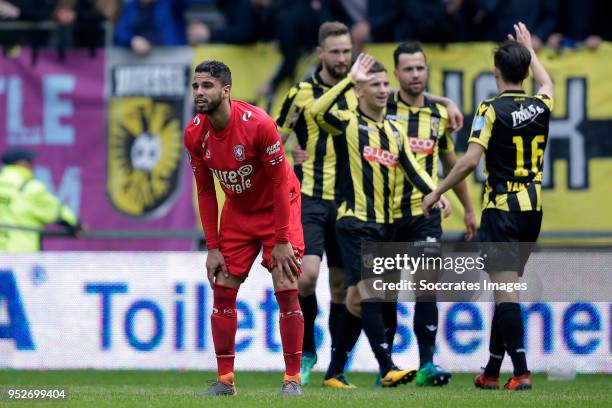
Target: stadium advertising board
[142, 310]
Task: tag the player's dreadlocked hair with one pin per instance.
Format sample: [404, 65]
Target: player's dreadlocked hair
[216, 69]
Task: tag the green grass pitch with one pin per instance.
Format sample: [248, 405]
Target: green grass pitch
[118, 389]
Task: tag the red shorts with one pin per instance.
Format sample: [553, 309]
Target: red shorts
[241, 236]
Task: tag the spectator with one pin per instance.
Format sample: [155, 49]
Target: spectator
[581, 22]
[26, 205]
[432, 21]
[82, 20]
[25, 10]
[603, 16]
[247, 21]
[143, 24]
[493, 20]
[603, 13]
[369, 20]
[296, 24]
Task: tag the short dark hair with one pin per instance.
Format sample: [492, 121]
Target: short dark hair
[331, 29]
[512, 59]
[408, 47]
[377, 67]
[216, 69]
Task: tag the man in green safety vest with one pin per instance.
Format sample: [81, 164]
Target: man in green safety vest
[26, 205]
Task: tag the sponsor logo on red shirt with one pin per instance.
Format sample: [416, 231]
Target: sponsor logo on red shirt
[273, 149]
[236, 181]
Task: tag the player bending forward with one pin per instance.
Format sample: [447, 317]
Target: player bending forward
[240, 145]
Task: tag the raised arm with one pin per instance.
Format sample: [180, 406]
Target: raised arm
[331, 120]
[545, 84]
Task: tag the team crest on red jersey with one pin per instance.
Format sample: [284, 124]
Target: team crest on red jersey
[239, 152]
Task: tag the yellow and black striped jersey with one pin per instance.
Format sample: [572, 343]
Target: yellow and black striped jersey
[317, 175]
[513, 129]
[370, 158]
[428, 134]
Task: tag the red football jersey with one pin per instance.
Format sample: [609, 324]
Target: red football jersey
[248, 159]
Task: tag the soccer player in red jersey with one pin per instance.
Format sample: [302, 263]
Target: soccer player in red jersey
[239, 144]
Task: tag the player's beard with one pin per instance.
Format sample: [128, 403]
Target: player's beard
[414, 91]
[212, 105]
[339, 72]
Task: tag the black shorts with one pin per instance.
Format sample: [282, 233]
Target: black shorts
[351, 234]
[419, 228]
[500, 229]
[318, 223]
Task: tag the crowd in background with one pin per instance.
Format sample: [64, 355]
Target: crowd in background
[143, 24]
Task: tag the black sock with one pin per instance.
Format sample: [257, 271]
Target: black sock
[425, 328]
[374, 328]
[511, 325]
[496, 348]
[309, 311]
[348, 331]
[389, 310]
[337, 311]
